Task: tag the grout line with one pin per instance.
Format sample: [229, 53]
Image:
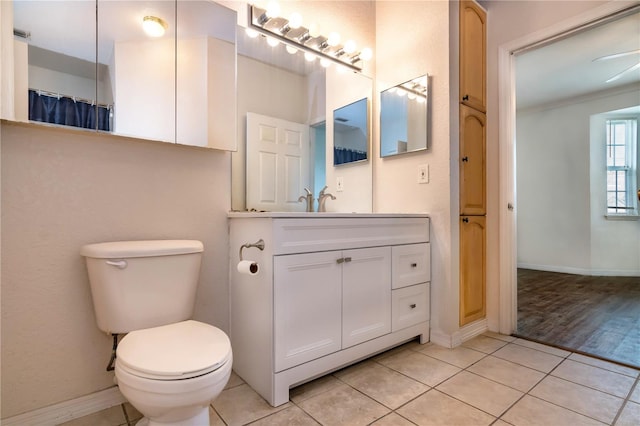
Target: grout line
[626, 400]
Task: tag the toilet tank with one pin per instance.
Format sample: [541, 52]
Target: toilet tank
[142, 284]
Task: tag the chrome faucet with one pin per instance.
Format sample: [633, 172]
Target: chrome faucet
[308, 198]
[322, 199]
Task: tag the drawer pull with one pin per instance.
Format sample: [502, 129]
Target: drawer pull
[414, 265]
[412, 306]
[339, 261]
[347, 259]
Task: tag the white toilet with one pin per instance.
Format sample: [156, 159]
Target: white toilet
[169, 367]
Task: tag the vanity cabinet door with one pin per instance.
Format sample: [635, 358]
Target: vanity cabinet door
[366, 294]
[307, 307]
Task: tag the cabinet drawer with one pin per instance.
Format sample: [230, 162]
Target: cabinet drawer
[411, 264]
[410, 306]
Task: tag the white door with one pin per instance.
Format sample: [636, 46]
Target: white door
[366, 294]
[277, 163]
[307, 308]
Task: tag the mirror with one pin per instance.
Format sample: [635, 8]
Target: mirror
[403, 117]
[176, 87]
[350, 133]
[55, 73]
[286, 99]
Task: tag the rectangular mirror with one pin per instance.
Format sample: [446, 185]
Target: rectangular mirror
[54, 78]
[350, 133]
[403, 117]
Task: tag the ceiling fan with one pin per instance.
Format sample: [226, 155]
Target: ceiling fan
[620, 55]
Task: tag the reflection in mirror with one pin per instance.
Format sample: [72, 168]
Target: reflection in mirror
[350, 133]
[403, 117]
[55, 64]
[140, 77]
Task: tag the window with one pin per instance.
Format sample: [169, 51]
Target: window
[622, 142]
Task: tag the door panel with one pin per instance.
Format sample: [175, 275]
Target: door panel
[472, 269]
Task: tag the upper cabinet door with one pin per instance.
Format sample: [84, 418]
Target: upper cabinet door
[206, 75]
[137, 69]
[472, 162]
[473, 55]
[49, 67]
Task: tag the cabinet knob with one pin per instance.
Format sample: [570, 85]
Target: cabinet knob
[465, 159]
[414, 265]
[347, 259]
[412, 306]
[465, 98]
[465, 220]
[339, 261]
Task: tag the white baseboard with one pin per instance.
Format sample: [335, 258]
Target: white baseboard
[581, 271]
[474, 329]
[68, 410]
[444, 339]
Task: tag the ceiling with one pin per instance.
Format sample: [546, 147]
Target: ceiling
[565, 69]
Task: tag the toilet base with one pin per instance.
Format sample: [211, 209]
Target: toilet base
[202, 418]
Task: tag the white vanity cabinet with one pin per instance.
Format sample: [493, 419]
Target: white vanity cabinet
[332, 289]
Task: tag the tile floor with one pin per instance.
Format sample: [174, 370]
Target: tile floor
[489, 380]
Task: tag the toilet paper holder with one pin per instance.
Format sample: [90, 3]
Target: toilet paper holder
[258, 244]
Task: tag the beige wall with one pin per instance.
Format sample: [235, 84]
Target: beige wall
[62, 189]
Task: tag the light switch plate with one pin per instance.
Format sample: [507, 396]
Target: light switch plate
[339, 184]
[423, 173]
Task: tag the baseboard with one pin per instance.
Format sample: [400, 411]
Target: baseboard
[444, 339]
[68, 410]
[474, 329]
[581, 271]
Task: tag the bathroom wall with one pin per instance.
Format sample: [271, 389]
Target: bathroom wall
[412, 39]
[65, 188]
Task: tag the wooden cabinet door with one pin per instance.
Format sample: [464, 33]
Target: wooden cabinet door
[472, 162]
[473, 55]
[307, 307]
[366, 294]
[472, 269]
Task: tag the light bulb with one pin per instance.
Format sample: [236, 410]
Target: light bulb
[272, 41]
[333, 39]
[290, 49]
[349, 47]
[154, 26]
[411, 96]
[295, 20]
[401, 92]
[325, 62]
[366, 54]
[251, 32]
[310, 57]
[273, 9]
[421, 99]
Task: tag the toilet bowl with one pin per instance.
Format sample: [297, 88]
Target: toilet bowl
[171, 373]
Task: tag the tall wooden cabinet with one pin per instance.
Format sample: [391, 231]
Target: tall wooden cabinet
[473, 209]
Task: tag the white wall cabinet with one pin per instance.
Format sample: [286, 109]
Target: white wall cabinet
[331, 290]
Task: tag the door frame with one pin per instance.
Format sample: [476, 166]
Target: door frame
[508, 283]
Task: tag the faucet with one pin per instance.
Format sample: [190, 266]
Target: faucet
[322, 199]
[308, 198]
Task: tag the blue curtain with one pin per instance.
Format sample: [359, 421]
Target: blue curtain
[66, 111]
[344, 155]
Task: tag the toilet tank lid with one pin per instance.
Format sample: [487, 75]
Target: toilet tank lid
[128, 249]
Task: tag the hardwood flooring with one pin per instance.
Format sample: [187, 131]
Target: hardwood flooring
[598, 316]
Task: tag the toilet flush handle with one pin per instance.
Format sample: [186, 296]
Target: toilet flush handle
[117, 263]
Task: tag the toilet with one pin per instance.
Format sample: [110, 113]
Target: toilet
[168, 366]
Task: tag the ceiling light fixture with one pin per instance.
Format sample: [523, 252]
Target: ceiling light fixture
[293, 34]
[154, 26]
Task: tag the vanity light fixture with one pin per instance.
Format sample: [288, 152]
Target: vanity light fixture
[154, 26]
[295, 36]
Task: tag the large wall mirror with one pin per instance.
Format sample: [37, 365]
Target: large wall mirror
[172, 86]
[403, 117]
[285, 141]
[351, 133]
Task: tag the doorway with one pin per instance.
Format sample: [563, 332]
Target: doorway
[562, 224]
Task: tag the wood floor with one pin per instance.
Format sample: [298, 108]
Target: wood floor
[598, 316]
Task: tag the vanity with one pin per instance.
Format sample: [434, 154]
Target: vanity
[331, 289]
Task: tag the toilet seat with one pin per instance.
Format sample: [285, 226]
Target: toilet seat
[174, 352]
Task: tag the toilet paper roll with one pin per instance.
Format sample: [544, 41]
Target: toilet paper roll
[248, 267]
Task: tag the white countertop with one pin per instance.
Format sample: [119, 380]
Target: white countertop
[305, 215]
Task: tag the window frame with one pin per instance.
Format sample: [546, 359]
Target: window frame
[632, 151]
